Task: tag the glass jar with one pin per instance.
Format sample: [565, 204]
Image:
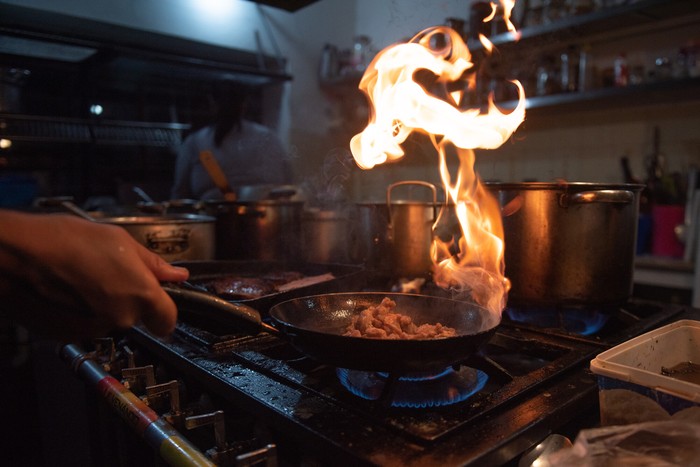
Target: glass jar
[361, 54]
[620, 71]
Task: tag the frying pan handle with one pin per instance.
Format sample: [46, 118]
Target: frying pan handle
[215, 308]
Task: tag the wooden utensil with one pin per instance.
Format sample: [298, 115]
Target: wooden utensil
[217, 174]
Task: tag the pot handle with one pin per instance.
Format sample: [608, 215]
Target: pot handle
[251, 211]
[411, 182]
[598, 196]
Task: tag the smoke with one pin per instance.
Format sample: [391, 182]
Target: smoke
[329, 188]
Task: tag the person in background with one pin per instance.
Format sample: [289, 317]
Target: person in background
[248, 152]
[67, 278]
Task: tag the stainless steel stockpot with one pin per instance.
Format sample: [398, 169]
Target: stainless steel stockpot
[393, 238]
[267, 229]
[569, 243]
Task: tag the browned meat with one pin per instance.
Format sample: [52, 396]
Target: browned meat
[382, 322]
[282, 277]
[234, 288]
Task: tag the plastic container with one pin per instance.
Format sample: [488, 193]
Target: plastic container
[632, 388]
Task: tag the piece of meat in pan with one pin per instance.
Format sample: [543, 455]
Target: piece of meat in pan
[384, 322]
[282, 277]
[239, 288]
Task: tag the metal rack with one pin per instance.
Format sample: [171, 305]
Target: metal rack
[32, 128]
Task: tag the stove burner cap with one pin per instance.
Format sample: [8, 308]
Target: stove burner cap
[415, 390]
[583, 321]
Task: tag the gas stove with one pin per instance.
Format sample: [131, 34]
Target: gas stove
[529, 380]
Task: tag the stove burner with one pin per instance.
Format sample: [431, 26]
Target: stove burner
[416, 390]
[584, 321]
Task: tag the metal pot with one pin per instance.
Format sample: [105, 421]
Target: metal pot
[393, 238]
[325, 236]
[173, 206]
[265, 230]
[569, 243]
[175, 237]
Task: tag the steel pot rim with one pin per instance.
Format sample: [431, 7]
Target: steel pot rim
[158, 220]
[563, 186]
[261, 202]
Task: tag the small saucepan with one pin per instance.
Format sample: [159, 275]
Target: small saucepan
[315, 325]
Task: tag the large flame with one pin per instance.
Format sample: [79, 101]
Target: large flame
[401, 105]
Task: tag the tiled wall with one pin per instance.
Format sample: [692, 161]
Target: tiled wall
[581, 146]
[588, 146]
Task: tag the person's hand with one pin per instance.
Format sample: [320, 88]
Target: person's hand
[70, 278]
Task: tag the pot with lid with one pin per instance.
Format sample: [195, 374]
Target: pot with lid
[569, 243]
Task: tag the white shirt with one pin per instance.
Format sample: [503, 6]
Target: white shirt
[252, 156]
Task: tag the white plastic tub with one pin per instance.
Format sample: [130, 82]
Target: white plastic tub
[631, 386]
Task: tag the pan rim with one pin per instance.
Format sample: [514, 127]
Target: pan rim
[278, 321]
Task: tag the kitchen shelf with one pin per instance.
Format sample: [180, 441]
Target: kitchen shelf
[603, 25]
[32, 128]
[113, 53]
[670, 273]
[663, 92]
[606, 22]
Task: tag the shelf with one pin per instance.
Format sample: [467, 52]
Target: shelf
[612, 20]
[661, 263]
[664, 278]
[113, 53]
[617, 21]
[605, 25]
[31, 128]
[73, 62]
[664, 92]
[668, 272]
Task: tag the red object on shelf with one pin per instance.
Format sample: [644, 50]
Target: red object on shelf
[664, 241]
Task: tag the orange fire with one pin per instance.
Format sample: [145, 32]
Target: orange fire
[400, 105]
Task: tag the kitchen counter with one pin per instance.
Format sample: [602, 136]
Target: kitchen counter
[670, 273]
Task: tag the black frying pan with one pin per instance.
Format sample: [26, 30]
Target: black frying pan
[315, 326]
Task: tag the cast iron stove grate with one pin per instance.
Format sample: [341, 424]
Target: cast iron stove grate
[514, 361]
[604, 325]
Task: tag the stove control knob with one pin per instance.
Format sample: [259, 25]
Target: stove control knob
[105, 352]
[130, 358]
[266, 456]
[172, 388]
[214, 418]
[135, 377]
